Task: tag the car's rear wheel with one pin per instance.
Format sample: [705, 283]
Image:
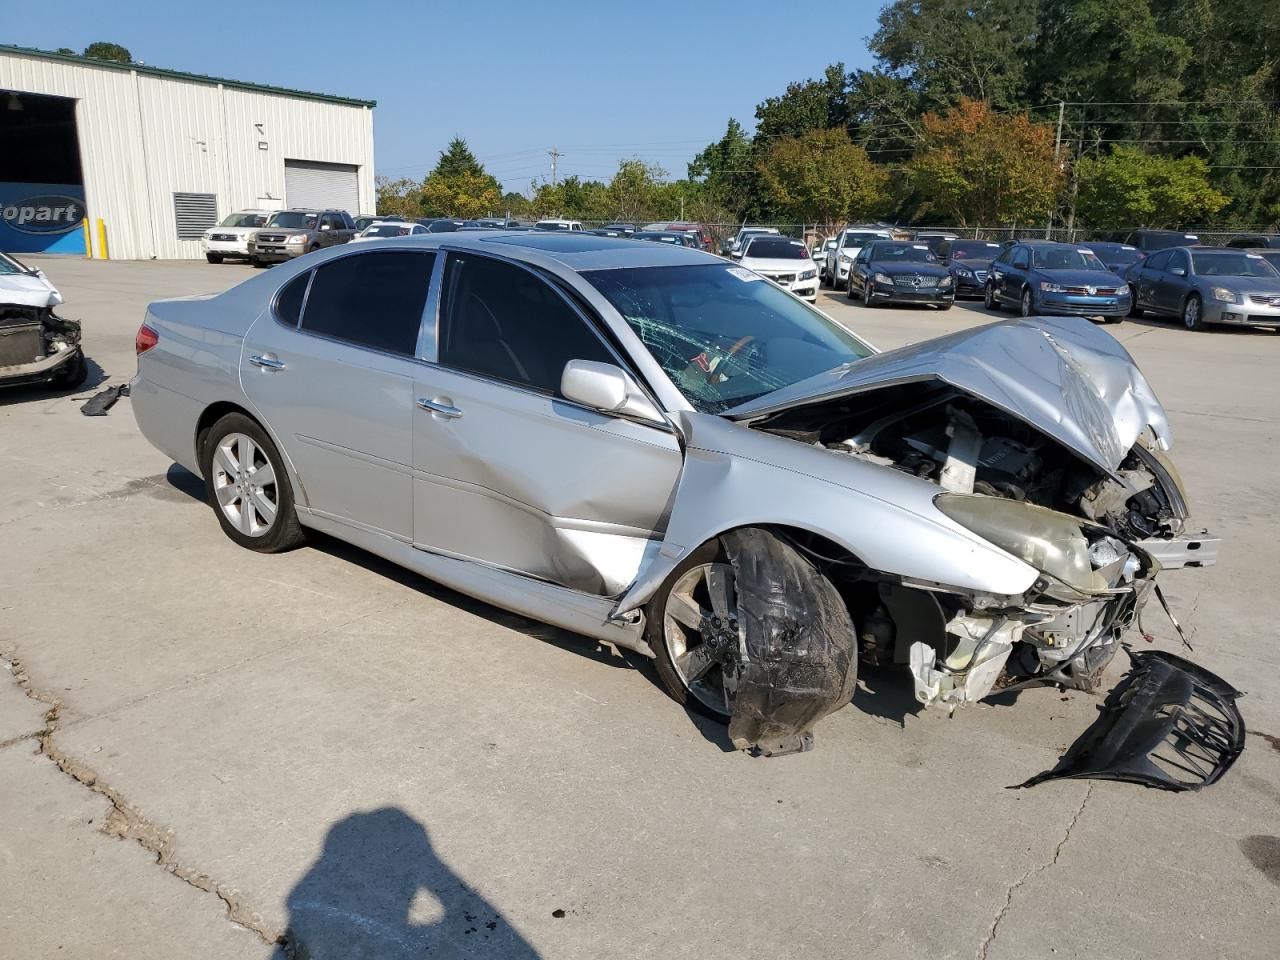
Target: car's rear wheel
[1028, 303]
[1192, 315]
[248, 486]
[989, 297]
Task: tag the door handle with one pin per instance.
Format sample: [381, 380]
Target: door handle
[268, 361]
[440, 409]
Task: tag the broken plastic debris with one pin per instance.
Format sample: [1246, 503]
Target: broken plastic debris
[104, 400]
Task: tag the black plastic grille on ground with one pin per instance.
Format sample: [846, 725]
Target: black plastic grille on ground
[1169, 724]
[798, 660]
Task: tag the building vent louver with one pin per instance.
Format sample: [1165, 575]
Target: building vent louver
[195, 213]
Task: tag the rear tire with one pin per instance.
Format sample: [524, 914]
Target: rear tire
[248, 486]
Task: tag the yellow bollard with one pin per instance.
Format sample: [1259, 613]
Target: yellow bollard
[88, 240]
[102, 240]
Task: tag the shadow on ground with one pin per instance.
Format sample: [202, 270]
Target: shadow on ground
[96, 376]
[378, 890]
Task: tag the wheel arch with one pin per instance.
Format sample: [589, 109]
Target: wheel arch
[219, 409]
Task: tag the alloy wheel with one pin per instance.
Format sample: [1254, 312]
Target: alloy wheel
[1028, 308]
[244, 481]
[700, 628]
[1191, 314]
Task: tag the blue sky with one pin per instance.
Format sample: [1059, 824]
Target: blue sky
[600, 81]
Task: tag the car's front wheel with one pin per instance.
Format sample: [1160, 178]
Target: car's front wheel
[848, 287]
[1135, 310]
[248, 487]
[989, 297]
[1192, 313]
[1028, 303]
[213, 257]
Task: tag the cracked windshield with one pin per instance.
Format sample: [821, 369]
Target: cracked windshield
[725, 335]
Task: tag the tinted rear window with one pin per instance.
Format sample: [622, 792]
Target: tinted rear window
[371, 299]
[777, 248]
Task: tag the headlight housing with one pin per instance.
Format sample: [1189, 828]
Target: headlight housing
[1051, 542]
[945, 281]
[1225, 295]
[883, 278]
[845, 256]
[808, 275]
[296, 238]
[964, 272]
[1046, 287]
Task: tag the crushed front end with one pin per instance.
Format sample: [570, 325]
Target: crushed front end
[37, 346]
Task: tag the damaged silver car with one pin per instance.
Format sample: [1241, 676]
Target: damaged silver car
[36, 345]
[658, 449]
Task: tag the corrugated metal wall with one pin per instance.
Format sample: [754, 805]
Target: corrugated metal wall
[144, 138]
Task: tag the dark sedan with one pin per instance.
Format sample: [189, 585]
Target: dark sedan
[892, 271]
[969, 261]
[1059, 279]
[1117, 257]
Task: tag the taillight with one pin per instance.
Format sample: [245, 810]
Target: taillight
[145, 340]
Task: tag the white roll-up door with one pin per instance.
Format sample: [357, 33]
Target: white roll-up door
[308, 183]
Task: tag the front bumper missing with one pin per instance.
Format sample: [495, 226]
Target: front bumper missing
[1168, 724]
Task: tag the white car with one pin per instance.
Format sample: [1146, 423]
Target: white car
[745, 234]
[820, 256]
[849, 242]
[381, 229]
[786, 262]
[229, 240]
[557, 224]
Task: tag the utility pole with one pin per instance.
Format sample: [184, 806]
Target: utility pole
[555, 155]
[1057, 154]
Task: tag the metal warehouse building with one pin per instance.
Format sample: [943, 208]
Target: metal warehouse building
[152, 157]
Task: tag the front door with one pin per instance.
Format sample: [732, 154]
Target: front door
[509, 473]
[330, 367]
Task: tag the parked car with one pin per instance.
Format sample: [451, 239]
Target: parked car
[1117, 257]
[1269, 254]
[36, 345]
[1060, 279]
[899, 271]
[703, 235]
[441, 224]
[740, 239]
[660, 236]
[291, 233]
[849, 242]
[779, 500]
[1149, 241]
[229, 240]
[620, 229]
[785, 262]
[1256, 241]
[968, 261]
[819, 256]
[557, 224]
[934, 239]
[364, 219]
[1207, 285]
[496, 223]
[381, 229]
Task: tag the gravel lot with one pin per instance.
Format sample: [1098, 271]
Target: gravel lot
[323, 739]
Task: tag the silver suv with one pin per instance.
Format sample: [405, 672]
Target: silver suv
[291, 233]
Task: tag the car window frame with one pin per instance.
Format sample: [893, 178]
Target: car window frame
[346, 254]
[431, 353]
[1149, 263]
[1180, 258]
[1013, 258]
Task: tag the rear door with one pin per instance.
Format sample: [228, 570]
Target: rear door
[330, 367]
[509, 473]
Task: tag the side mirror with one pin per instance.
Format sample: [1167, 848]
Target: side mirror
[1178, 271]
[606, 387]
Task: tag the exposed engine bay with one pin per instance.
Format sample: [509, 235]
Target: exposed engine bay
[1093, 533]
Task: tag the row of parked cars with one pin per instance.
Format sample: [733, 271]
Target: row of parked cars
[1161, 272]
[263, 237]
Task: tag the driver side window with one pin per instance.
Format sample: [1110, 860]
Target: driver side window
[1159, 261]
[502, 321]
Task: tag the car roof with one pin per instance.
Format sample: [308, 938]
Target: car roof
[577, 251]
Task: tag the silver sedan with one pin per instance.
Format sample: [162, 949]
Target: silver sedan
[658, 449]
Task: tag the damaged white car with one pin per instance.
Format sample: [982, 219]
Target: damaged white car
[36, 345]
[660, 450]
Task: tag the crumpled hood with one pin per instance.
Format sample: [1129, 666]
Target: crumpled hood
[1062, 375]
[28, 290]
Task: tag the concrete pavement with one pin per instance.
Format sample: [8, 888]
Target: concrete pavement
[321, 748]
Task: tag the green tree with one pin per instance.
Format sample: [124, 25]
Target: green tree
[811, 105]
[108, 51]
[399, 197]
[823, 177]
[459, 186]
[725, 173]
[635, 191]
[948, 49]
[457, 158]
[1130, 188]
[975, 166]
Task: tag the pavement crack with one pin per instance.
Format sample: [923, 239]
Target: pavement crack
[1030, 875]
[126, 822]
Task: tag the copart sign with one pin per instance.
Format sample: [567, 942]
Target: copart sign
[41, 217]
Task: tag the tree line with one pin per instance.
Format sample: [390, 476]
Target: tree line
[1103, 113]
